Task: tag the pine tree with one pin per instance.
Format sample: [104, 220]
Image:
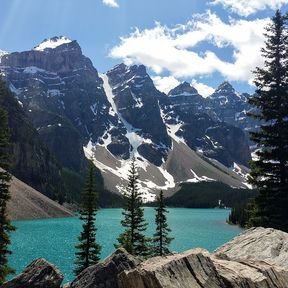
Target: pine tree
[133, 238]
[161, 240]
[5, 178]
[88, 250]
[269, 173]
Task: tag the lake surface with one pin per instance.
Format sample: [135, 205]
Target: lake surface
[54, 239]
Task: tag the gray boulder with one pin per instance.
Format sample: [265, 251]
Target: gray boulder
[39, 274]
[104, 274]
[198, 269]
[257, 244]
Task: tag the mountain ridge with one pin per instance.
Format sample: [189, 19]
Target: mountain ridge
[121, 112]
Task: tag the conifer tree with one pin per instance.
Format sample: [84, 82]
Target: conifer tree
[133, 238]
[161, 240]
[88, 250]
[5, 178]
[269, 173]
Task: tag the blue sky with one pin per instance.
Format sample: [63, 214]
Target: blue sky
[158, 33]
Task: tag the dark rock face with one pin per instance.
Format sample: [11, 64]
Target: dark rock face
[31, 162]
[232, 141]
[136, 99]
[202, 128]
[105, 273]
[231, 107]
[38, 274]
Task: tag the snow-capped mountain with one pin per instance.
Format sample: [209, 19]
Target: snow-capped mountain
[179, 137]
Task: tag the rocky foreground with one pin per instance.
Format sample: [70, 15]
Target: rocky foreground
[258, 258]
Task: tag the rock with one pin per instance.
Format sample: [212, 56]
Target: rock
[190, 269]
[248, 274]
[259, 244]
[39, 274]
[198, 269]
[104, 274]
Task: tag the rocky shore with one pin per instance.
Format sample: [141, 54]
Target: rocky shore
[258, 258]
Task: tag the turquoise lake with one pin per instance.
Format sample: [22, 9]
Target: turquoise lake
[54, 239]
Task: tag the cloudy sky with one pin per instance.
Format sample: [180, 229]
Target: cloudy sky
[203, 42]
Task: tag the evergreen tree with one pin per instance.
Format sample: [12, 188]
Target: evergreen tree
[5, 178]
[161, 240]
[133, 238]
[269, 173]
[88, 250]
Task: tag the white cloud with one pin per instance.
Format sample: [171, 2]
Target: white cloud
[165, 84]
[111, 3]
[173, 49]
[248, 7]
[203, 89]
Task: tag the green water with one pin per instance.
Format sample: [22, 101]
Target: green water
[54, 239]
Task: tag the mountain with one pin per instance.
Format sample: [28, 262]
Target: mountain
[190, 116]
[176, 138]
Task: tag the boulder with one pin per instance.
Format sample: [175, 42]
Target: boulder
[104, 274]
[257, 244]
[39, 274]
[198, 269]
[193, 268]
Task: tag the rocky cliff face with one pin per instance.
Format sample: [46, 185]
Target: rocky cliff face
[226, 105]
[195, 268]
[31, 162]
[136, 100]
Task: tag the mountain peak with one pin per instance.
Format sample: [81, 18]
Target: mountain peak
[183, 89]
[52, 43]
[225, 87]
[123, 68]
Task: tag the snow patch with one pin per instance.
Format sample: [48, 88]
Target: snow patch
[53, 93]
[32, 70]
[134, 139]
[94, 109]
[2, 53]
[122, 172]
[197, 178]
[14, 90]
[52, 43]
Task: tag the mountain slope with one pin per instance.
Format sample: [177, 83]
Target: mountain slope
[27, 203]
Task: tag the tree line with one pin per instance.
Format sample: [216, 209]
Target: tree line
[133, 238]
[269, 171]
